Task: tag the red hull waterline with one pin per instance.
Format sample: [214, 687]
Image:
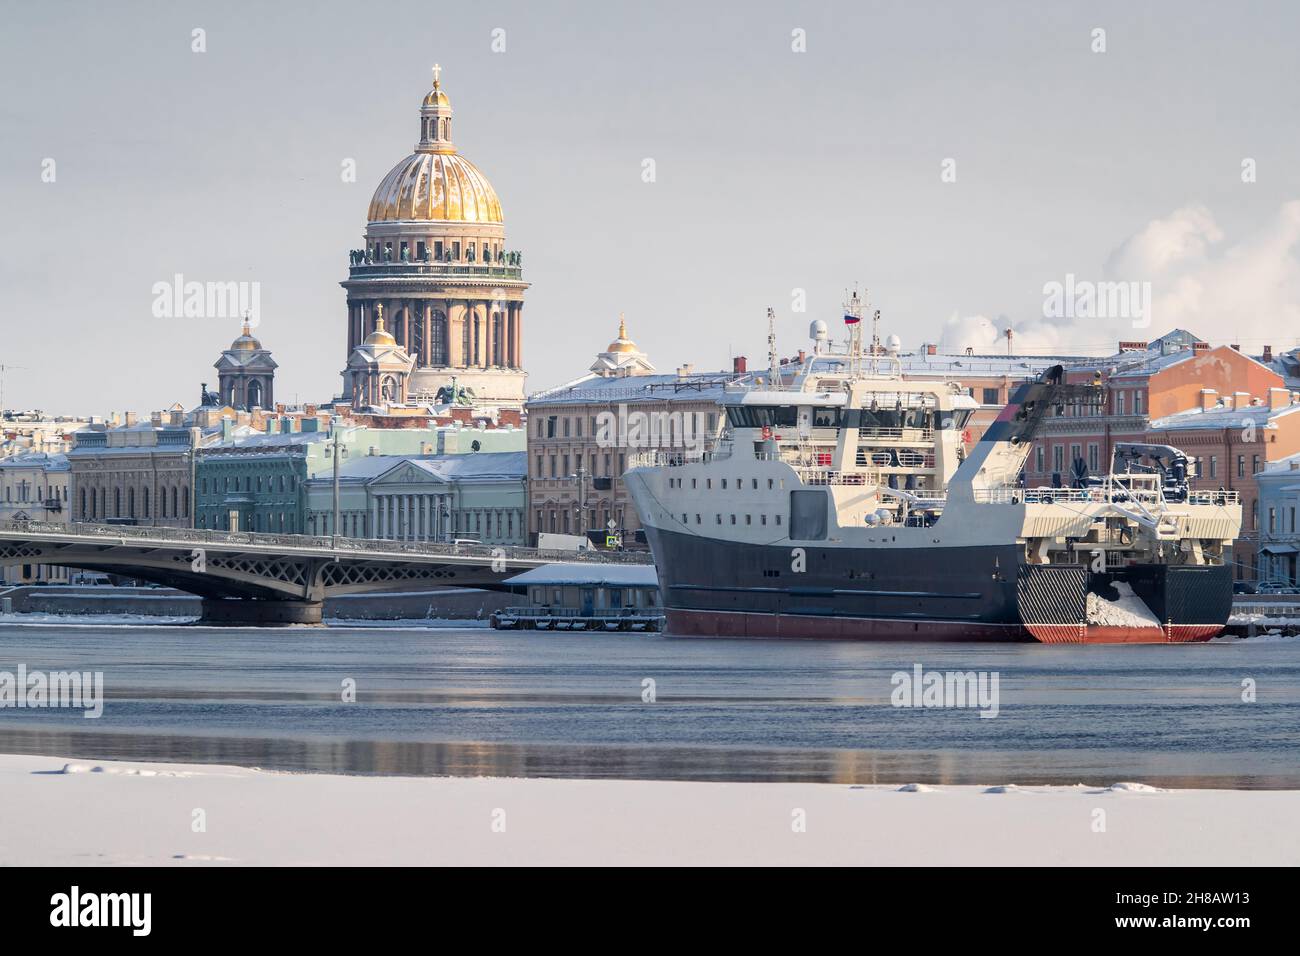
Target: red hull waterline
[681, 623]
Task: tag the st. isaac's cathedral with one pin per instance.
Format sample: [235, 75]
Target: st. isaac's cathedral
[435, 275]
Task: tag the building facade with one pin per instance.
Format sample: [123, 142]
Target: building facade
[34, 487]
[136, 474]
[1142, 382]
[1231, 443]
[480, 497]
[259, 482]
[1279, 536]
[435, 258]
[577, 460]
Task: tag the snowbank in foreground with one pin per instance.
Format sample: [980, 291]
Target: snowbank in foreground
[79, 812]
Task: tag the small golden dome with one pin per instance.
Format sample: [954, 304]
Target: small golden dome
[436, 97]
[622, 345]
[380, 336]
[246, 342]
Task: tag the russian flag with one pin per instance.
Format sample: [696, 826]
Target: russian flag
[851, 319]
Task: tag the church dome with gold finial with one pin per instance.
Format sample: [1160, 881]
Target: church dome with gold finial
[246, 341]
[622, 345]
[435, 183]
[622, 357]
[380, 335]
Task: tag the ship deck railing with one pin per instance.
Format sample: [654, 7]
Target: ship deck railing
[1118, 492]
[535, 617]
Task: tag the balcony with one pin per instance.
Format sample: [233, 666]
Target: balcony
[451, 271]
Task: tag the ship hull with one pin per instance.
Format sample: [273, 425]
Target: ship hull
[713, 588]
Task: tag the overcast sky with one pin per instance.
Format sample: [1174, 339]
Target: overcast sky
[775, 170]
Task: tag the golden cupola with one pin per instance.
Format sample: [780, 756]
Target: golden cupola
[622, 345]
[435, 183]
[246, 342]
[380, 335]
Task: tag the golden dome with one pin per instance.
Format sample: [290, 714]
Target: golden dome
[380, 336]
[245, 342]
[435, 187]
[436, 97]
[622, 345]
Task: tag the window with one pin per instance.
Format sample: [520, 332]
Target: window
[990, 396]
[1038, 460]
[1058, 458]
[1119, 403]
[1137, 402]
[1254, 464]
[1094, 458]
[1241, 466]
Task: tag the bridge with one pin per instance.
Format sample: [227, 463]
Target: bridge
[249, 578]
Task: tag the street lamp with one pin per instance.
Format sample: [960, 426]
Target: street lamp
[334, 524]
[581, 478]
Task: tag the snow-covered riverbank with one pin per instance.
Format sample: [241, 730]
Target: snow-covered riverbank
[60, 811]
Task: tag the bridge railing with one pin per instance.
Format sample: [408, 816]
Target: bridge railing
[319, 542]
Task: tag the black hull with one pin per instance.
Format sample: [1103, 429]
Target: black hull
[716, 588]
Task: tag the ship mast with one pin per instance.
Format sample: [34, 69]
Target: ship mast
[773, 362]
[853, 319]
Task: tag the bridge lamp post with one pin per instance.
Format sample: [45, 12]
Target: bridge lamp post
[581, 478]
[334, 523]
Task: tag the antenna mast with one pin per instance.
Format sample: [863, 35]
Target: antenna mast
[853, 319]
[773, 363]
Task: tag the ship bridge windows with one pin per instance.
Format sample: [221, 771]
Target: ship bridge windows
[957, 418]
[827, 417]
[762, 416]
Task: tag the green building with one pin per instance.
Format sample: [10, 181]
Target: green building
[258, 483]
[479, 496]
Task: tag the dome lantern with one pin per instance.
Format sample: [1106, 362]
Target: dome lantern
[435, 119]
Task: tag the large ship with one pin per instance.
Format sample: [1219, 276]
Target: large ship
[840, 501]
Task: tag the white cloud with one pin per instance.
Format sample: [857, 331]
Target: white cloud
[1245, 291]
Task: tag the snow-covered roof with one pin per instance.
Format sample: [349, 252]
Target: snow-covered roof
[481, 464]
[594, 575]
[1220, 417]
[596, 389]
[37, 459]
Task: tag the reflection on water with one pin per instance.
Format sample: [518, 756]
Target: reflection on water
[478, 702]
[413, 758]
